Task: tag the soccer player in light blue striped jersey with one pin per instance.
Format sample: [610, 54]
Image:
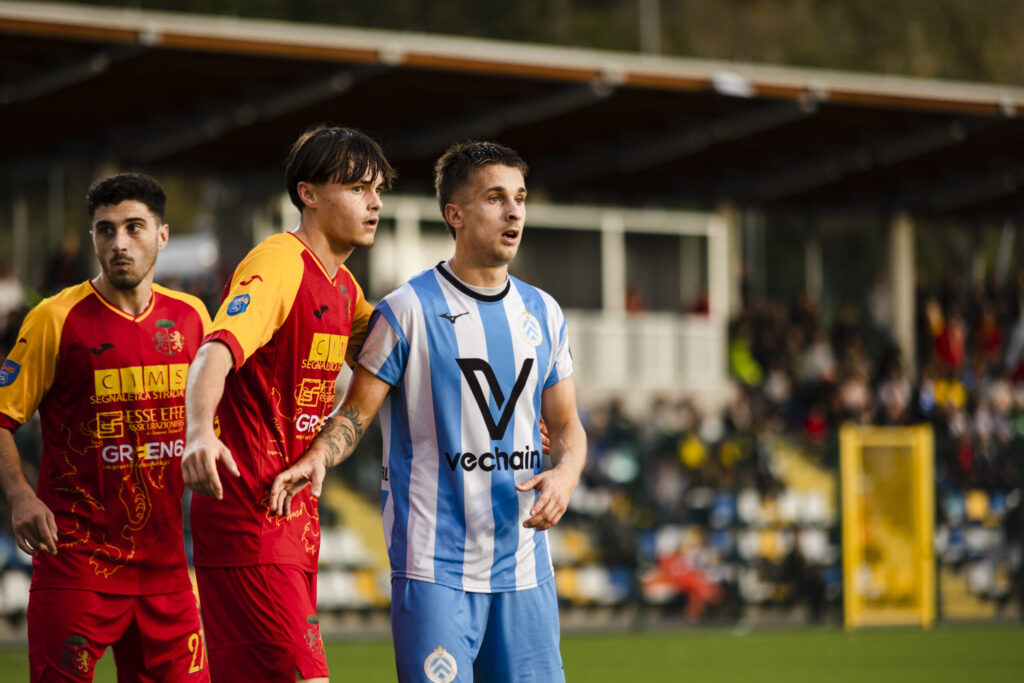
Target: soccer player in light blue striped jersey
[465, 360]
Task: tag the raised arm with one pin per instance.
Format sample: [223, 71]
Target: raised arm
[33, 523]
[568, 455]
[337, 439]
[203, 448]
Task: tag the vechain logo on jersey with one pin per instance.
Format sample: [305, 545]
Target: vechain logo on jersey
[526, 459]
[238, 304]
[9, 372]
[471, 367]
[139, 381]
[326, 352]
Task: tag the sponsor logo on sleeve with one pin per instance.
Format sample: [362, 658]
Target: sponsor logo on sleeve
[440, 666]
[246, 283]
[238, 304]
[9, 372]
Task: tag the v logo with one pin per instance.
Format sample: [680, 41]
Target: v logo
[470, 367]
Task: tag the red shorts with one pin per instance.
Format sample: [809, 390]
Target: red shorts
[261, 623]
[154, 637]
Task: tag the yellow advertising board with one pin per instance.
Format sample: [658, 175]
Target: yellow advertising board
[888, 492]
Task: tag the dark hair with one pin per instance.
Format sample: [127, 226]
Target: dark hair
[331, 154]
[125, 187]
[452, 170]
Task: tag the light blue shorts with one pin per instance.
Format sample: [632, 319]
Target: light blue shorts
[443, 635]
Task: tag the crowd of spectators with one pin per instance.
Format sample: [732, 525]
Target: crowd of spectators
[799, 379]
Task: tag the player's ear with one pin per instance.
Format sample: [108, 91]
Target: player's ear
[163, 232]
[307, 194]
[453, 214]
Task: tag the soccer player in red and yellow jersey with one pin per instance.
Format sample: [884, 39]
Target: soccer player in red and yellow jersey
[260, 388]
[105, 363]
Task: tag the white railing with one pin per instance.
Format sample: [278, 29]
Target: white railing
[638, 356]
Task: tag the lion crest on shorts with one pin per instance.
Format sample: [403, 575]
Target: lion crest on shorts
[75, 657]
[313, 640]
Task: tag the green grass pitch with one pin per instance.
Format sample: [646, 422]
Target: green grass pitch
[981, 654]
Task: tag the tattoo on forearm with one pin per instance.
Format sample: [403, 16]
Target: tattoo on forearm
[340, 435]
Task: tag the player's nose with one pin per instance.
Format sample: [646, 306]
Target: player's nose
[120, 241]
[516, 211]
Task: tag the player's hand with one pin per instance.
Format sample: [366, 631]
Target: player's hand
[34, 525]
[555, 487]
[309, 470]
[199, 466]
[545, 438]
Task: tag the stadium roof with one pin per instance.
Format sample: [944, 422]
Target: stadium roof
[224, 95]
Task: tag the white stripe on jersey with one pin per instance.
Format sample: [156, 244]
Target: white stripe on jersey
[479, 555]
[526, 418]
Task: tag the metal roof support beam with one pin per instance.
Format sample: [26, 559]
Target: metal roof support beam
[629, 155]
[157, 140]
[965, 191]
[486, 124]
[781, 183]
[66, 75]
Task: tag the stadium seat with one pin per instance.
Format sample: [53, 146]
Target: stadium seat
[342, 547]
[723, 510]
[14, 593]
[976, 506]
[748, 505]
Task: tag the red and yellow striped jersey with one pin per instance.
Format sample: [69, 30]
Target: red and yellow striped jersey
[110, 390]
[290, 326]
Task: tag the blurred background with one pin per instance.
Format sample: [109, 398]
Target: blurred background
[764, 219]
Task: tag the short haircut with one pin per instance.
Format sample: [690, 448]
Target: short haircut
[127, 187]
[453, 169]
[332, 154]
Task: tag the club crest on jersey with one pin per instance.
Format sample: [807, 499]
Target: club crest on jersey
[440, 666]
[530, 329]
[168, 340]
[238, 304]
[9, 372]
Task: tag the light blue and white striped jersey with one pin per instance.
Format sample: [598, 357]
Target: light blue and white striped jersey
[461, 427]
